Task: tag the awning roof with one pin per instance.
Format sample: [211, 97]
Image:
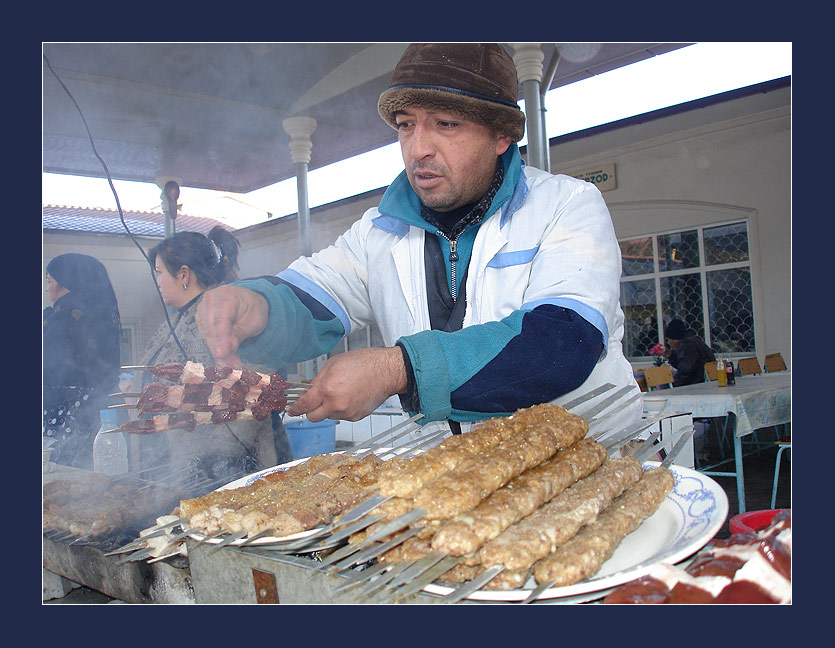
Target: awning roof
[210, 114]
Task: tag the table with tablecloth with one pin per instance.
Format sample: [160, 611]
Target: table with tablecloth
[753, 403]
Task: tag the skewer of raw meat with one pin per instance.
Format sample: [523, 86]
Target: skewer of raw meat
[196, 372]
[190, 420]
[196, 397]
[583, 555]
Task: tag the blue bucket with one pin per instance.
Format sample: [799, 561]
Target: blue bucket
[308, 438]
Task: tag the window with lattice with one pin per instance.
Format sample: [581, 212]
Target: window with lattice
[701, 276]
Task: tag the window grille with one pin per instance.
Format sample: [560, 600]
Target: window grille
[701, 276]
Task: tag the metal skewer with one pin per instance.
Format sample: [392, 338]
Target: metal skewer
[329, 540]
[417, 568]
[364, 576]
[227, 541]
[387, 529]
[147, 367]
[368, 442]
[679, 445]
[539, 590]
[374, 551]
[593, 411]
[393, 571]
[474, 585]
[603, 417]
[429, 576]
[585, 397]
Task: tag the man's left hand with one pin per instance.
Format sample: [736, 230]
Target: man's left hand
[353, 384]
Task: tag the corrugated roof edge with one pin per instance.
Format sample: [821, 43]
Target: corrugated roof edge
[107, 221]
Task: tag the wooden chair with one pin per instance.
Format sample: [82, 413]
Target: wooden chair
[774, 362]
[658, 376]
[710, 371]
[749, 366]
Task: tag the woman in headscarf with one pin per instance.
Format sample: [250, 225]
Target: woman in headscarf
[186, 265]
[80, 355]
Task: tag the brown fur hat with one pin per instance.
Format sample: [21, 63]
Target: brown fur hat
[476, 80]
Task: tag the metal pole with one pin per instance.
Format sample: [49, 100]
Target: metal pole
[528, 59]
[300, 129]
[533, 112]
[304, 210]
[547, 80]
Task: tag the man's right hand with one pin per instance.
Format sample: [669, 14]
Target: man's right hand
[228, 315]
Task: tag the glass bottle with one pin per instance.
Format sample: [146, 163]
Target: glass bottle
[721, 374]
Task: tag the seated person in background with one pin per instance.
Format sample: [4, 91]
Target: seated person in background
[688, 354]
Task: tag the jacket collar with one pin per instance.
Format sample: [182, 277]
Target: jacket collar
[400, 202]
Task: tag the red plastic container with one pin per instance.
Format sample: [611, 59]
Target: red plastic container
[753, 521]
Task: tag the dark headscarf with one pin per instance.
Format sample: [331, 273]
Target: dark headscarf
[87, 279]
[91, 296]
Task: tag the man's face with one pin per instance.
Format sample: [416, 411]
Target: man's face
[449, 161]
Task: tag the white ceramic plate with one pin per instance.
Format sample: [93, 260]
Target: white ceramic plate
[685, 522]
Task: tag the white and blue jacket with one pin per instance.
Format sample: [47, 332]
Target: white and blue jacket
[542, 321]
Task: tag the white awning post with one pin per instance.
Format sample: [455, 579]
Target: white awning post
[300, 129]
[545, 86]
[528, 58]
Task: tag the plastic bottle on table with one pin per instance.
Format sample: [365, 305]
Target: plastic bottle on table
[729, 370]
[110, 450]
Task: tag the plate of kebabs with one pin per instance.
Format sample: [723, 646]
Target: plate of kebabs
[688, 518]
[652, 514]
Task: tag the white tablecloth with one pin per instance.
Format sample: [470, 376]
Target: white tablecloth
[756, 401]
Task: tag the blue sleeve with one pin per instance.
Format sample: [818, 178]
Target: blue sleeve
[299, 327]
[493, 369]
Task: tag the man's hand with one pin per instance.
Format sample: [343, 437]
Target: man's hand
[228, 315]
[353, 384]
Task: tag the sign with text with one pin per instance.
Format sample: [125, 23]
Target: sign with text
[603, 177]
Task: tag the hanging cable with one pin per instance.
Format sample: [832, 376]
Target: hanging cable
[130, 234]
[118, 205]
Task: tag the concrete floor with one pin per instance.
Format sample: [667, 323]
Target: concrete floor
[758, 470]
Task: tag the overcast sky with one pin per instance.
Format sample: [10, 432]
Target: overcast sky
[682, 75]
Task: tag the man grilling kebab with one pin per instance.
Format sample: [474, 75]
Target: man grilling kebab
[495, 285]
